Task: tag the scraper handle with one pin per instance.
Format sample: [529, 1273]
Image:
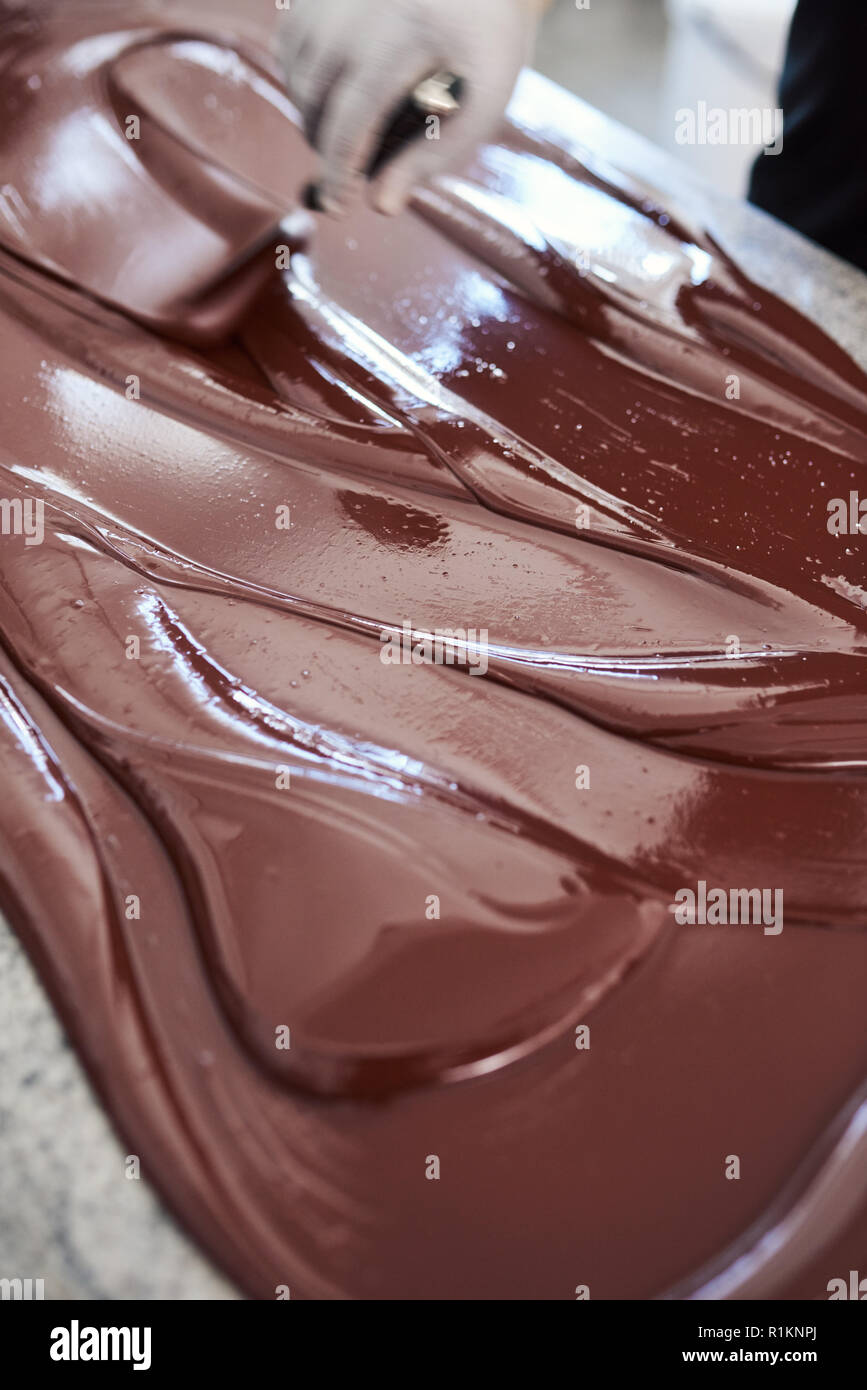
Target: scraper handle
[437, 95]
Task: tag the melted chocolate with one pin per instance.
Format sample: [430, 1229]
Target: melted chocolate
[537, 407]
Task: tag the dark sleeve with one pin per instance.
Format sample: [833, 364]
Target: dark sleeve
[818, 182]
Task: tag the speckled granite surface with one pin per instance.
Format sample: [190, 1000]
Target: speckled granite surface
[68, 1214]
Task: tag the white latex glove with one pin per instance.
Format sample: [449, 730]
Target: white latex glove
[349, 65]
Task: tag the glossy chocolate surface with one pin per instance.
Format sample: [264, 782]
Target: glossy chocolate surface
[539, 408]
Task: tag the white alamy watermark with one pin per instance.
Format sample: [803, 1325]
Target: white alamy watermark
[23, 516]
[852, 1288]
[720, 907]
[847, 516]
[77, 1343]
[720, 125]
[444, 646]
[22, 1290]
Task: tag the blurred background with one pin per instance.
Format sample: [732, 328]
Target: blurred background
[641, 61]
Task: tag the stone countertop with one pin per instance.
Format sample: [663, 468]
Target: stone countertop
[68, 1215]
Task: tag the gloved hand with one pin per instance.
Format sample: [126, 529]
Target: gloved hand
[349, 64]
